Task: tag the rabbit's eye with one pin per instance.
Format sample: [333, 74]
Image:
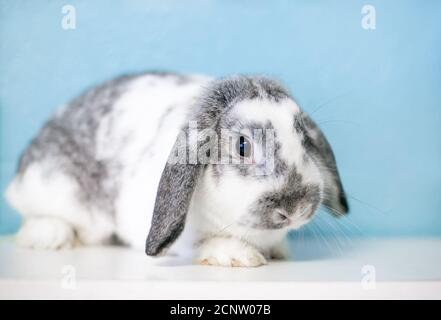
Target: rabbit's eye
[243, 147]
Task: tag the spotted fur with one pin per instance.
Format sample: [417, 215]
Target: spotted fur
[100, 169]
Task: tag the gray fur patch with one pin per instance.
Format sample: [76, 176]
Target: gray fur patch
[68, 140]
[222, 95]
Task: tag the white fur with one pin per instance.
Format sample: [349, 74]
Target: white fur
[46, 233]
[52, 196]
[229, 252]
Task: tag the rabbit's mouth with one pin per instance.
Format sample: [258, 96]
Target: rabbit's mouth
[280, 218]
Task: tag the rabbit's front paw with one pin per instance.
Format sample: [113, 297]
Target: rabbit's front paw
[229, 252]
[45, 233]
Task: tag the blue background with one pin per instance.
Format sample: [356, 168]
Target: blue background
[375, 93]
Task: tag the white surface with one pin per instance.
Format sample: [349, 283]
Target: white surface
[404, 268]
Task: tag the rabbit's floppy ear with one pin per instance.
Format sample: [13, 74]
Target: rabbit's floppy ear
[173, 198]
[178, 180]
[317, 145]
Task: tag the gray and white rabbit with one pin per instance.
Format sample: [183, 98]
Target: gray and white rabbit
[118, 163]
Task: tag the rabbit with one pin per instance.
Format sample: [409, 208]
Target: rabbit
[234, 160]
